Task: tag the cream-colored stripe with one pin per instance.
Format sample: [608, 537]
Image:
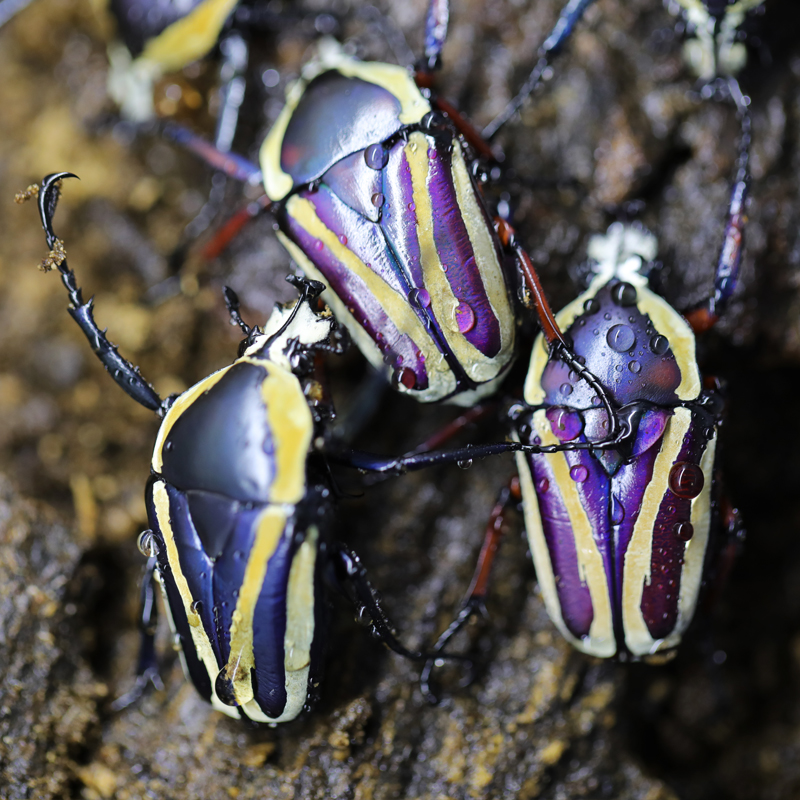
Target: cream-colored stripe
[639, 555]
[600, 641]
[396, 305]
[292, 428]
[269, 530]
[176, 410]
[666, 321]
[694, 555]
[396, 80]
[200, 640]
[189, 38]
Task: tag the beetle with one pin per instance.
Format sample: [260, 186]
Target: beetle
[240, 503]
[371, 180]
[716, 49]
[623, 534]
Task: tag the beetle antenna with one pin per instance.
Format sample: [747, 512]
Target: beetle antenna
[309, 290]
[232, 304]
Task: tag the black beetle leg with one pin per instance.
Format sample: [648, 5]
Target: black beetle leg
[726, 276]
[147, 665]
[123, 372]
[570, 15]
[475, 598]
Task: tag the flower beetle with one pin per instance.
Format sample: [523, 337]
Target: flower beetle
[716, 48]
[240, 503]
[623, 534]
[372, 183]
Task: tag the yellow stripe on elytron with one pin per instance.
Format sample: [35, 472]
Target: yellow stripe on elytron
[396, 305]
[397, 80]
[269, 530]
[666, 321]
[177, 409]
[695, 553]
[639, 555]
[200, 640]
[600, 640]
[292, 428]
[443, 301]
[189, 38]
[492, 275]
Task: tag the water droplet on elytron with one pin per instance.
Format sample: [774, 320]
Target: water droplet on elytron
[606, 315]
[623, 294]
[659, 344]
[579, 473]
[686, 480]
[343, 239]
[318, 245]
[565, 423]
[635, 367]
[617, 511]
[465, 317]
[596, 401]
[684, 530]
[565, 389]
[542, 486]
[465, 464]
[621, 338]
[412, 206]
[378, 199]
[431, 153]
[591, 306]
[196, 607]
[406, 377]
[376, 157]
[419, 298]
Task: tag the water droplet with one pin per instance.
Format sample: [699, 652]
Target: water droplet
[465, 464]
[419, 298]
[621, 338]
[596, 401]
[659, 344]
[635, 367]
[579, 473]
[318, 244]
[565, 389]
[606, 315]
[565, 423]
[412, 206]
[343, 239]
[542, 486]
[596, 331]
[413, 147]
[147, 543]
[617, 510]
[623, 294]
[684, 531]
[376, 157]
[168, 446]
[465, 317]
[406, 377]
[378, 199]
[196, 607]
[591, 306]
[431, 153]
[686, 480]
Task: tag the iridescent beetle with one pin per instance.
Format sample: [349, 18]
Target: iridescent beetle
[623, 534]
[241, 505]
[716, 49]
[371, 180]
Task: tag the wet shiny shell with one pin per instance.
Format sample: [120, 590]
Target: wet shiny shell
[619, 540]
[388, 217]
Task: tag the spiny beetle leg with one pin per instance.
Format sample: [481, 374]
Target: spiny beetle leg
[475, 598]
[570, 15]
[125, 374]
[147, 665]
[706, 315]
[468, 417]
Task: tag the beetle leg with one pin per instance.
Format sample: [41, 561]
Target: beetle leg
[147, 666]
[570, 15]
[452, 429]
[436, 22]
[475, 599]
[123, 372]
[705, 316]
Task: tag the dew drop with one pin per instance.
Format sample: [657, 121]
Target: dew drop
[623, 294]
[686, 480]
[579, 473]
[617, 510]
[465, 317]
[419, 298]
[591, 306]
[376, 157]
[318, 245]
[412, 206]
[542, 486]
[196, 607]
[168, 446]
[596, 401]
[635, 367]
[621, 338]
[565, 389]
[607, 316]
[343, 239]
[378, 199]
[659, 344]
[465, 464]
[684, 531]
[406, 377]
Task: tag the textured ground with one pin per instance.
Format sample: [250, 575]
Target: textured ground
[614, 125]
